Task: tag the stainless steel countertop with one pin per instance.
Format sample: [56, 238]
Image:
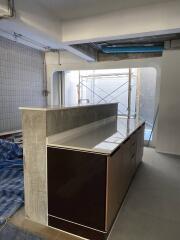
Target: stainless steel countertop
[103, 139]
[63, 107]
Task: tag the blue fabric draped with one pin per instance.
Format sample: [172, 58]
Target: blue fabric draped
[11, 179]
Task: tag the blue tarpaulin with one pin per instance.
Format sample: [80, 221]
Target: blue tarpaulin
[11, 179]
[9, 150]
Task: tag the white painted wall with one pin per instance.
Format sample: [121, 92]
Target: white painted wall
[155, 18]
[69, 61]
[168, 134]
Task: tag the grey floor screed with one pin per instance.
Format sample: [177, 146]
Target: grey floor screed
[11, 232]
[151, 210]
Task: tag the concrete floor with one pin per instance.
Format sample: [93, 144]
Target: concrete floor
[151, 210]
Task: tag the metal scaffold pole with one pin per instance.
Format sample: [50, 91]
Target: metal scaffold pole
[138, 89]
[129, 93]
[129, 99]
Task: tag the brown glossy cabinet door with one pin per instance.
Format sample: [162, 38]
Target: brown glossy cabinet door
[77, 187]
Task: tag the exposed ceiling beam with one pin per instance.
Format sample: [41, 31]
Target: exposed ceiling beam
[83, 51]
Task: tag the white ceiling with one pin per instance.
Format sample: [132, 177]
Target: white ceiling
[72, 9]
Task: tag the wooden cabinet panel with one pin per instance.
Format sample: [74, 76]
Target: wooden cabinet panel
[140, 144]
[121, 168]
[116, 184]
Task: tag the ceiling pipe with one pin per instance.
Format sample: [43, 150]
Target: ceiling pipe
[135, 49]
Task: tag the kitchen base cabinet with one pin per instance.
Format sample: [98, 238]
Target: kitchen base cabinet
[77, 187]
[86, 188]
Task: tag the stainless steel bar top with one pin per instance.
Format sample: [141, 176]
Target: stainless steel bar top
[62, 107]
[103, 139]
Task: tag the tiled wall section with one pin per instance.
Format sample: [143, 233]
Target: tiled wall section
[21, 82]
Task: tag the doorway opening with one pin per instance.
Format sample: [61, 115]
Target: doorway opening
[57, 88]
[133, 88]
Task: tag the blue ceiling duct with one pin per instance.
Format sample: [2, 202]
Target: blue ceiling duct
[133, 49]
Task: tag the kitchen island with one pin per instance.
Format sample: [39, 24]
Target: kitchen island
[79, 162]
[89, 172]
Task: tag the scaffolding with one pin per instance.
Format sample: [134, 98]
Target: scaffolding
[99, 95]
